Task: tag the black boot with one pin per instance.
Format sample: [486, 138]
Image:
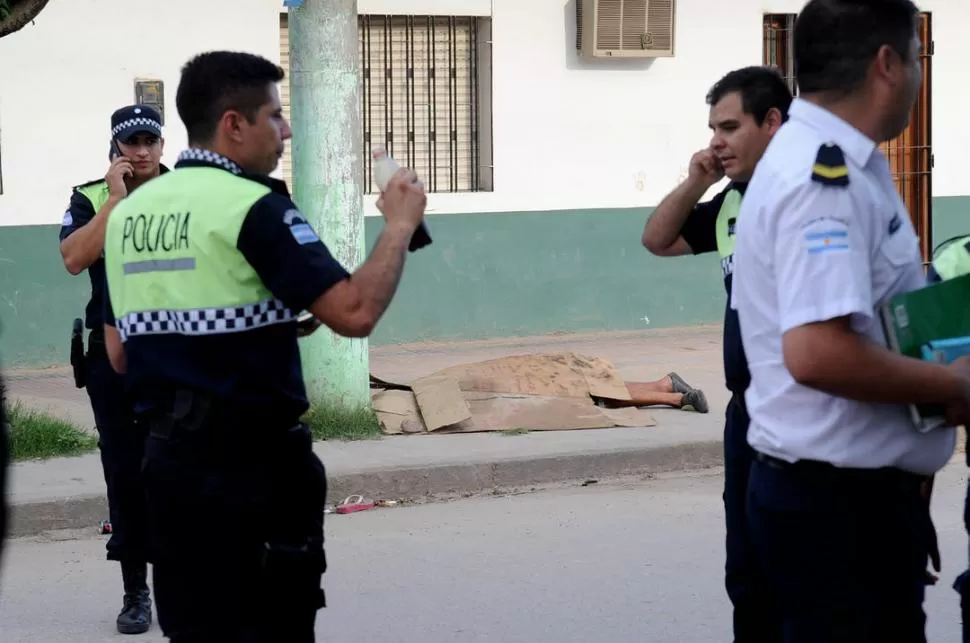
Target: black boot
[136, 615]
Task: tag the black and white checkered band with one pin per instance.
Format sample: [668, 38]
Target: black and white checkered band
[141, 121]
[204, 321]
[208, 156]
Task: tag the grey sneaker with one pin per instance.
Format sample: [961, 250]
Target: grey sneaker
[695, 400]
[680, 386]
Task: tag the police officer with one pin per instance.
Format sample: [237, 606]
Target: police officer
[207, 270]
[836, 503]
[136, 147]
[952, 259]
[748, 106]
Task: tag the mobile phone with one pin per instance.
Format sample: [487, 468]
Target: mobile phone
[115, 151]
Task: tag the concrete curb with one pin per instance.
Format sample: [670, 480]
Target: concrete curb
[419, 483]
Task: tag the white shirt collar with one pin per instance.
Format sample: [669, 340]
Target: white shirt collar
[856, 145]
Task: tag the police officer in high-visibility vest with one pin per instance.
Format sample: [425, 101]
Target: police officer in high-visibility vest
[748, 105]
[837, 502]
[207, 270]
[952, 259]
[135, 154]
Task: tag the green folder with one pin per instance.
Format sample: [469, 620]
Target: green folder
[910, 320]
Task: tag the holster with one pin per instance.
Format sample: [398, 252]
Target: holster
[78, 359]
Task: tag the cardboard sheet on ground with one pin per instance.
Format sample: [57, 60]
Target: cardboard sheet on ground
[540, 392]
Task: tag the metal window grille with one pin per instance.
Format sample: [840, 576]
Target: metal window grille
[909, 154]
[779, 31]
[419, 97]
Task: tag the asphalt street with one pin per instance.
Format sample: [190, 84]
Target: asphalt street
[606, 563]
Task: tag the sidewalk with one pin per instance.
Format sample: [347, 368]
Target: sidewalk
[69, 492]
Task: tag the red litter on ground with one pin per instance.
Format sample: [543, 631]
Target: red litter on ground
[354, 504]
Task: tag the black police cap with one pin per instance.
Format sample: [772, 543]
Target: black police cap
[135, 119]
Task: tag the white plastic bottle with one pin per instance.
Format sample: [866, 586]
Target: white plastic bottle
[384, 167]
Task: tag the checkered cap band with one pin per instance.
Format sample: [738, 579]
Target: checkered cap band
[204, 321]
[208, 156]
[149, 123]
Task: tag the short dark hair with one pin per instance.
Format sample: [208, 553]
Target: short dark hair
[836, 40]
[217, 81]
[761, 89]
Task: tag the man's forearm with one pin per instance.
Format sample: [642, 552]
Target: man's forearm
[666, 221]
[848, 365]
[83, 248]
[377, 279]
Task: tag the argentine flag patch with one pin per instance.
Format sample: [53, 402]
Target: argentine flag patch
[302, 231]
[826, 235]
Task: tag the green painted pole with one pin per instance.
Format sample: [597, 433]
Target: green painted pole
[327, 170]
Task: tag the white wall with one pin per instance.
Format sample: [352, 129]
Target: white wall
[63, 77]
[575, 134]
[567, 133]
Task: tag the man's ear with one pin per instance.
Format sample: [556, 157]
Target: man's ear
[232, 125]
[773, 120]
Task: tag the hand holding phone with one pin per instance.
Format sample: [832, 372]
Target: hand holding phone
[120, 169]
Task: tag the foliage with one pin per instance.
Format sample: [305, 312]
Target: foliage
[34, 434]
[339, 424]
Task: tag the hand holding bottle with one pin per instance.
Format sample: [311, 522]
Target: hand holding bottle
[402, 196]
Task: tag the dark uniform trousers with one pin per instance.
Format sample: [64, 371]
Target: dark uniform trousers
[845, 550]
[756, 617]
[122, 443]
[236, 509]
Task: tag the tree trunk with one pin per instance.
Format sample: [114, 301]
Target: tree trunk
[22, 12]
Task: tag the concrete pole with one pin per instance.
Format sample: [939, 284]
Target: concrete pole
[327, 170]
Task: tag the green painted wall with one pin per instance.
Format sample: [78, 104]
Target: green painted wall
[486, 275]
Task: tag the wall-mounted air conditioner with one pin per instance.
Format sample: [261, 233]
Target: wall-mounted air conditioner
[625, 28]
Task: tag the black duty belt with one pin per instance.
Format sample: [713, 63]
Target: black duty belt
[192, 412]
[829, 470]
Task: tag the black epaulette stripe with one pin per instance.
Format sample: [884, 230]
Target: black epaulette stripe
[830, 167]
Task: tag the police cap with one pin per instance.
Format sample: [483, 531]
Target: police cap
[135, 119]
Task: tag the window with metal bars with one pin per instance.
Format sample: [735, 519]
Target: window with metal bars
[779, 29]
[909, 154]
[421, 88]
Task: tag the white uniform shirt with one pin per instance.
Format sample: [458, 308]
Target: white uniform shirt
[808, 252]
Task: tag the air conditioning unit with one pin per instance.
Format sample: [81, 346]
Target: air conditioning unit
[625, 28]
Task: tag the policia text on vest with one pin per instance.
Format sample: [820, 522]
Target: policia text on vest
[148, 233]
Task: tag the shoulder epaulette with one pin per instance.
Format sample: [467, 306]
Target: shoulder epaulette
[88, 184]
[830, 167]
